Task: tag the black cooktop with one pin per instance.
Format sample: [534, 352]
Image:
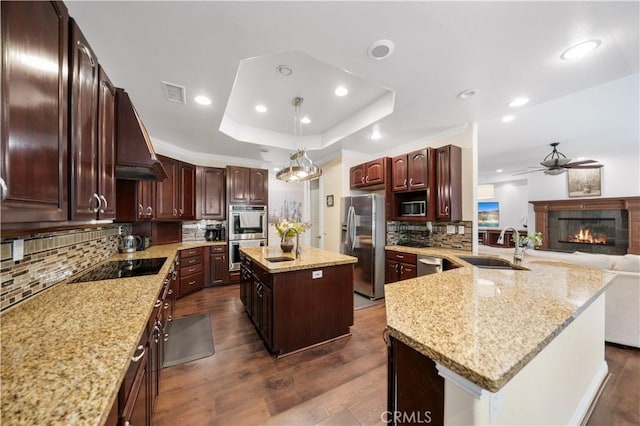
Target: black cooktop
[123, 269]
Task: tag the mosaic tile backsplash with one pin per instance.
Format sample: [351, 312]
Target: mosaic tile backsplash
[431, 234]
[51, 258]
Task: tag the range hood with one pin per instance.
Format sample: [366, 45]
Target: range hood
[135, 157]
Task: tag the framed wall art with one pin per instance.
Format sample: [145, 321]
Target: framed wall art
[489, 214]
[584, 182]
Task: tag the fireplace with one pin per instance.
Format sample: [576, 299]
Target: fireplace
[603, 225]
[592, 231]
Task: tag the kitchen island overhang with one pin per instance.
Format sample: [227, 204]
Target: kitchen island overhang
[490, 331]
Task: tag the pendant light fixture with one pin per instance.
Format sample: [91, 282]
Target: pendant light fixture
[301, 167]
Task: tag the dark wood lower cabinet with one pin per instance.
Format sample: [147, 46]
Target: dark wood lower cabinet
[137, 410]
[218, 267]
[415, 390]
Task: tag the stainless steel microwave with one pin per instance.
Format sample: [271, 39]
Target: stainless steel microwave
[413, 208]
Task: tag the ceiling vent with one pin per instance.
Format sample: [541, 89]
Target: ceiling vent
[174, 92]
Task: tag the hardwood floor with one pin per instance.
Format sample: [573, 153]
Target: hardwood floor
[342, 382]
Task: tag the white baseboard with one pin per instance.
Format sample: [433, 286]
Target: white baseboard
[584, 405]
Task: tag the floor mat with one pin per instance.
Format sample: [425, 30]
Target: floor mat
[190, 338]
[361, 302]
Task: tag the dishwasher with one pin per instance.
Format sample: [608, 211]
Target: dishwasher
[429, 265]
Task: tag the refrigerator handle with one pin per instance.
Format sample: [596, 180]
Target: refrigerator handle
[353, 228]
[348, 228]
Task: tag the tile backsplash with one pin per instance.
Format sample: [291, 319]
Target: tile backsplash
[431, 234]
[50, 258]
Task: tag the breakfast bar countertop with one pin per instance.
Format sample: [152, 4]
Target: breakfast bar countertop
[487, 324]
[310, 257]
[66, 350]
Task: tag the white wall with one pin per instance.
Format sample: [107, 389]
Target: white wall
[332, 181]
[514, 202]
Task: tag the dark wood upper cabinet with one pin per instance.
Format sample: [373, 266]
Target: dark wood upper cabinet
[247, 186]
[371, 173]
[106, 146]
[410, 172]
[135, 200]
[34, 113]
[85, 200]
[210, 193]
[175, 197]
[448, 163]
[259, 184]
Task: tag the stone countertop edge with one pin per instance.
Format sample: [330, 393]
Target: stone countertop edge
[65, 351]
[449, 352]
[310, 257]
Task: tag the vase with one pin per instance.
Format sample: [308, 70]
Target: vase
[287, 245]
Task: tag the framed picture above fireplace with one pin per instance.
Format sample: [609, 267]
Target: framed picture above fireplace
[584, 183]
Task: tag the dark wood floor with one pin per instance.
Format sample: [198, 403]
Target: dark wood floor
[341, 383]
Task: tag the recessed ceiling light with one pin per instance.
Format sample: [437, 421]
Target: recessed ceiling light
[261, 108]
[468, 93]
[341, 91]
[519, 101]
[285, 70]
[202, 100]
[380, 49]
[579, 50]
[305, 120]
[507, 118]
[498, 170]
[376, 135]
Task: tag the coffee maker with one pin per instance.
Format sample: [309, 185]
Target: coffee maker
[214, 232]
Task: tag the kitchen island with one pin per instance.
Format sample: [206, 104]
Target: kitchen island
[297, 303]
[65, 351]
[496, 346]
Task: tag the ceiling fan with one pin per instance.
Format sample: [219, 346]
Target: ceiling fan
[556, 163]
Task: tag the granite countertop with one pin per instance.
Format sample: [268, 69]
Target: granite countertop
[310, 257]
[65, 351]
[487, 324]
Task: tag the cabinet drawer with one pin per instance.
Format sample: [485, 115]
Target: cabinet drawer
[189, 261]
[262, 275]
[191, 252]
[401, 257]
[190, 270]
[218, 249]
[190, 283]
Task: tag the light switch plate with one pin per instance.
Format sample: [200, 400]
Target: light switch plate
[451, 229]
[18, 250]
[316, 274]
[461, 229]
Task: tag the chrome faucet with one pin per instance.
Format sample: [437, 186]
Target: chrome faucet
[517, 254]
[284, 237]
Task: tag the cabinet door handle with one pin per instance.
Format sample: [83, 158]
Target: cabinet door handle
[191, 270]
[396, 267]
[149, 211]
[404, 183]
[180, 212]
[446, 209]
[4, 189]
[175, 212]
[158, 303]
[166, 305]
[411, 181]
[170, 291]
[104, 200]
[166, 335]
[401, 268]
[192, 282]
[399, 257]
[362, 180]
[140, 210]
[366, 179]
[95, 209]
[136, 358]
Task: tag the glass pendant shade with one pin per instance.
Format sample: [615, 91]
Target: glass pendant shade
[301, 167]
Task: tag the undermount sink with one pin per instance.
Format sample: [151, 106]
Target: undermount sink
[491, 263]
[278, 259]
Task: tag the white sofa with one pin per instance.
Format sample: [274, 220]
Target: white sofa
[622, 300]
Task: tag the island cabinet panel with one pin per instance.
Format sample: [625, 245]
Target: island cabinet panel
[35, 112]
[415, 390]
[307, 311]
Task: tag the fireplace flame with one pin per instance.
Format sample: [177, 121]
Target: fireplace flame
[585, 236]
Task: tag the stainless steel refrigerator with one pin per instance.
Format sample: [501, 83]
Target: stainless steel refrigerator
[363, 236]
